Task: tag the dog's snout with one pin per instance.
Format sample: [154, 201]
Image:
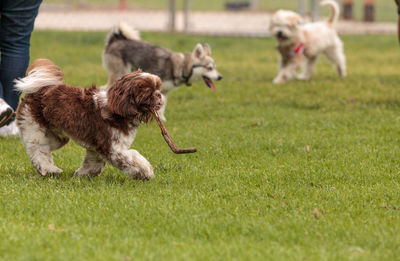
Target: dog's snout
[279, 34]
[219, 77]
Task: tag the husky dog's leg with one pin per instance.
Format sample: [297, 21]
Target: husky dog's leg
[92, 164]
[115, 68]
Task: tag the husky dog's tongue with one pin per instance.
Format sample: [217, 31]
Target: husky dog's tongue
[209, 83]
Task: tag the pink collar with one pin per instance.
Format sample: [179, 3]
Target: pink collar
[299, 49]
[296, 51]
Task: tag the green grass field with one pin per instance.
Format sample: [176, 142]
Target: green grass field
[385, 9]
[252, 191]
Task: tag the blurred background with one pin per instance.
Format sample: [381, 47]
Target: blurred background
[214, 17]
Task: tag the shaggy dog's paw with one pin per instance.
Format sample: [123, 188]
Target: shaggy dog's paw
[83, 172]
[279, 80]
[302, 77]
[50, 170]
[145, 173]
[144, 170]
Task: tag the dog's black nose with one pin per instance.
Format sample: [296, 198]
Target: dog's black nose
[219, 77]
[279, 34]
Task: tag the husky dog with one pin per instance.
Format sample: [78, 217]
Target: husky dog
[126, 52]
[301, 44]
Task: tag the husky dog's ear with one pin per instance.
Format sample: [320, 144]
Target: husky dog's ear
[199, 51]
[207, 49]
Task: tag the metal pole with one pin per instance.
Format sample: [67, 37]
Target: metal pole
[302, 7]
[186, 5]
[314, 10]
[172, 12]
[254, 4]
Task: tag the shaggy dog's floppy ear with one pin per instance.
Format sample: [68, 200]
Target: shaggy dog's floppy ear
[131, 96]
[295, 20]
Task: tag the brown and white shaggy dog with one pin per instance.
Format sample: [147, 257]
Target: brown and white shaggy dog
[103, 122]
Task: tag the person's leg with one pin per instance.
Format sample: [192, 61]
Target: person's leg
[16, 25]
[6, 112]
[17, 18]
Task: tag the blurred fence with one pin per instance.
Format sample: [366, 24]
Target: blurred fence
[384, 10]
[216, 17]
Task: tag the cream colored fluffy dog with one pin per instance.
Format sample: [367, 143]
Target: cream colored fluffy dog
[300, 44]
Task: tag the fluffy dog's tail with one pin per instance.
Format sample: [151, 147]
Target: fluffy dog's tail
[122, 31]
[41, 73]
[334, 13]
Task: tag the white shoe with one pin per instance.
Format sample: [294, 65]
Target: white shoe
[9, 130]
[6, 113]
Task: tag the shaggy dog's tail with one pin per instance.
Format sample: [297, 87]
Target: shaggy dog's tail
[41, 73]
[122, 32]
[335, 11]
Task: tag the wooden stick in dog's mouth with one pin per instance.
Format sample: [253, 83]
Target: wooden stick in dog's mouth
[169, 141]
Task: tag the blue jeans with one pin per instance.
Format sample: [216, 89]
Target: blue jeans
[16, 25]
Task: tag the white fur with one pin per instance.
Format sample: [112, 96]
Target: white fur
[145, 74]
[202, 71]
[100, 98]
[335, 10]
[38, 144]
[3, 105]
[92, 164]
[168, 86]
[318, 38]
[37, 79]
[128, 31]
[128, 160]
[161, 111]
